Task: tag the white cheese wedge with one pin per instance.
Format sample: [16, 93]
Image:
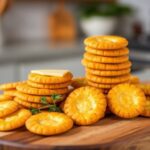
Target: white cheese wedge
[56, 73]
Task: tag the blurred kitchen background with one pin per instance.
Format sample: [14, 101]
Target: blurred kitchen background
[48, 34]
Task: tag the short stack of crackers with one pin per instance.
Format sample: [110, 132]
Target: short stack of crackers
[106, 61]
[42, 87]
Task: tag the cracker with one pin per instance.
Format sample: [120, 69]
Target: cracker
[101, 66]
[118, 52]
[106, 42]
[7, 107]
[49, 79]
[15, 120]
[145, 87]
[24, 88]
[108, 73]
[102, 59]
[49, 123]
[146, 112]
[134, 79]
[5, 98]
[9, 86]
[36, 99]
[11, 93]
[100, 85]
[27, 104]
[48, 86]
[79, 82]
[85, 105]
[126, 100]
[108, 80]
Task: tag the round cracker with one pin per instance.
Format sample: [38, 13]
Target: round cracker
[146, 112]
[85, 105]
[49, 123]
[15, 120]
[108, 73]
[126, 100]
[103, 59]
[36, 99]
[27, 104]
[79, 82]
[145, 87]
[5, 98]
[118, 52]
[48, 86]
[24, 88]
[7, 107]
[49, 79]
[107, 42]
[10, 86]
[11, 93]
[108, 80]
[101, 66]
[134, 79]
[100, 85]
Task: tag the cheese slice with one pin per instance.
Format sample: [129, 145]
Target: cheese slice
[55, 73]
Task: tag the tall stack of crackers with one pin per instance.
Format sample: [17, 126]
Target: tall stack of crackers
[41, 89]
[106, 61]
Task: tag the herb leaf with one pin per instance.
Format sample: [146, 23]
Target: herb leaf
[56, 97]
[44, 101]
[54, 108]
[35, 111]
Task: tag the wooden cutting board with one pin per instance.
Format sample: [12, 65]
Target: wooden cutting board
[110, 133]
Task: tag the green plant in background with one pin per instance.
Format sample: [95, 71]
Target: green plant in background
[104, 9]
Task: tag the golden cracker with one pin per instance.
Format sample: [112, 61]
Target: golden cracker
[48, 86]
[24, 88]
[108, 73]
[106, 42]
[79, 82]
[103, 59]
[8, 107]
[9, 86]
[5, 98]
[36, 99]
[49, 123]
[100, 85]
[15, 120]
[108, 80]
[145, 87]
[85, 105]
[134, 79]
[126, 100]
[27, 104]
[11, 93]
[118, 52]
[101, 66]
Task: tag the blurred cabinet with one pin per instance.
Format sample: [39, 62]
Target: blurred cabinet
[8, 73]
[73, 64]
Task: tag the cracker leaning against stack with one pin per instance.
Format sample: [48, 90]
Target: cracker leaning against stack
[106, 61]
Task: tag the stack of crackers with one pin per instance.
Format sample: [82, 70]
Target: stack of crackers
[106, 61]
[42, 87]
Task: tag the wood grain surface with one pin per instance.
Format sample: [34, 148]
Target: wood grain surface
[110, 133]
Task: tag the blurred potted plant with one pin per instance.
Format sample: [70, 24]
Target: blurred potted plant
[101, 18]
